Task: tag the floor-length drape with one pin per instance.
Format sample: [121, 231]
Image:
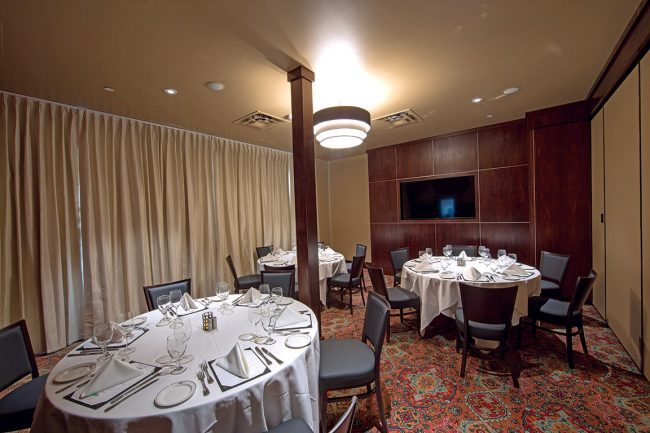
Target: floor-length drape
[97, 206]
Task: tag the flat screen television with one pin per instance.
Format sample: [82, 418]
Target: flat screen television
[444, 198]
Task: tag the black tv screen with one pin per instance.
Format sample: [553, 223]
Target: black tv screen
[444, 198]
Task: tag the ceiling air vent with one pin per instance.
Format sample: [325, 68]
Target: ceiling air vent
[260, 120]
[401, 118]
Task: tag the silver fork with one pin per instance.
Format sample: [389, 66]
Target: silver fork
[204, 367]
[201, 376]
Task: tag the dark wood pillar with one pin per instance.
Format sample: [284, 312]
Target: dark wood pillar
[304, 169]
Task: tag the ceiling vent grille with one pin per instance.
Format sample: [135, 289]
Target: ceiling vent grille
[260, 121]
[401, 118]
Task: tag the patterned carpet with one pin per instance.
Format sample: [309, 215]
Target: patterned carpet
[424, 393]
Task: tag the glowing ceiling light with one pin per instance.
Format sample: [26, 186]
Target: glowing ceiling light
[341, 127]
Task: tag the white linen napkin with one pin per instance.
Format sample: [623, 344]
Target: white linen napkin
[324, 257]
[424, 257]
[472, 274]
[188, 303]
[423, 266]
[290, 317]
[267, 258]
[279, 252]
[462, 255]
[515, 269]
[505, 261]
[253, 295]
[112, 373]
[330, 252]
[235, 362]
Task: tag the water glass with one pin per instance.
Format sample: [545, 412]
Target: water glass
[102, 335]
[176, 346]
[265, 290]
[420, 254]
[429, 251]
[125, 327]
[447, 250]
[276, 294]
[163, 305]
[501, 253]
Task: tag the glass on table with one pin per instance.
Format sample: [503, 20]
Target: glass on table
[183, 329]
[447, 250]
[513, 256]
[444, 264]
[163, 302]
[222, 293]
[429, 251]
[102, 335]
[175, 301]
[420, 254]
[176, 347]
[276, 294]
[501, 253]
[265, 291]
[125, 326]
[254, 317]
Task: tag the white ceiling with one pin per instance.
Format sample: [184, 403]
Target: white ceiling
[430, 56]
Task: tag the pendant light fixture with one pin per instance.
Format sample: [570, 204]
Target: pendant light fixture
[341, 127]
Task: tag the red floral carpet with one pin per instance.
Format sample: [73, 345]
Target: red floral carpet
[424, 392]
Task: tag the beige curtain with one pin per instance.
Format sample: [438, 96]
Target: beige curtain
[139, 203]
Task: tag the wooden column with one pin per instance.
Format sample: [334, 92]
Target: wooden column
[305, 186]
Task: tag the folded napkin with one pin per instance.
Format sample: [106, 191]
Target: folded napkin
[424, 257]
[289, 317]
[188, 303]
[505, 260]
[462, 255]
[267, 258]
[330, 252]
[235, 362]
[472, 274]
[515, 269]
[279, 252]
[423, 266]
[323, 256]
[112, 373]
[253, 295]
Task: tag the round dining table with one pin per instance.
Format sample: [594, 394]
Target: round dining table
[282, 386]
[329, 263]
[440, 292]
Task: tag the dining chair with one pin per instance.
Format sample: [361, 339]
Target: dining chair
[351, 363]
[347, 282]
[244, 282]
[151, 293]
[360, 251]
[486, 314]
[297, 425]
[565, 314]
[552, 267]
[280, 279]
[398, 298]
[397, 259]
[263, 251]
[17, 408]
[470, 250]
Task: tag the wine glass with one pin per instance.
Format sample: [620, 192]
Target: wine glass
[444, 264]
[265, 291]
[428, 251]
[269, 317]
[222, 293]
[276, 295]
[183, 328]
[420, 254]
[254, 317]
[102, 335]
[513, 256]
[501, 253]
[447, 250]
[125, 325]
[163, 305]
[176, 346]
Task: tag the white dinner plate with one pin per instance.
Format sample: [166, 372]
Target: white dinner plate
[175, 394]
[285, 301]
[447, 275]
[297, 341]
[140, 320]
[73, 373]
[526, 267]
[512, 277]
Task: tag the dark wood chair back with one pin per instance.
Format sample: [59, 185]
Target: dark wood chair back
[151, 293]
[18, 360]
[378, 282]
[492, 306]
[263, 251]
[583, 289]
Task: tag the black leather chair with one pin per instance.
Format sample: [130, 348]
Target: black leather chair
[398, 297]
[397, 259]
[351, 363]
[552, 267]
[17, 408]
[565, 314]
[244, 282]
[280, 279]
[263, 251]
[486, 315]
[151, 293]
[347, 282]
[360, 251]
[470, 250]
[297, 425]
[281, 269]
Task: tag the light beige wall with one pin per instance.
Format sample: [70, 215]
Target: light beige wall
[323, 200]
[597, 209]
[645, 206]
[349, 204]
[622, 214]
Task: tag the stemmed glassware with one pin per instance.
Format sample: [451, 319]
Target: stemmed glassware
[513, 256]
[222, 294]
[176, 346]
[175, 301]
[183, 329]
[429, 251]
[265, 291]
[124, 326]
[447, 250]
[102, 335]
[163, 302]
[276, 295]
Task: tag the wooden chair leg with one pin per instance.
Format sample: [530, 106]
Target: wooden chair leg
[323, 412]
[514, 368]
[351, 312]
[401, 315]
[380, 404]
[464, 362]
[363, 298]
[569, 347]
[388, 331]
[534, 328]
[583, 340]
[519, 331]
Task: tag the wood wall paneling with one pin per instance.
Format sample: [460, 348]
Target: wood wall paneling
[514, 238]
[456, 234]
[597, 211]
[381, 164]
[553, 116]
[502, 146]
[418, 237]
[414, 159]
[563, 196]
[383, 238]
[504, 194]
[383, 202]
[455, 154]
[644, 82]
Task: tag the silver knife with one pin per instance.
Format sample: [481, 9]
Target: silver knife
[131, 394]
[268, 352]
[135, 387]
[267, 360]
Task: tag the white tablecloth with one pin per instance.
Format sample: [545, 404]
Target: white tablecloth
[327, 266]
[442, 296]
[289, 390]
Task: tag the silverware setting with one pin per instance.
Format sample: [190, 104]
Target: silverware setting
[83, 380]
[275, 358]
[130, 394]
[259, 352]
[204, 367]
[201, 376]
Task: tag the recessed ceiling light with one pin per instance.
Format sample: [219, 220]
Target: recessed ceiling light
[109, 89]
[489, 116]
[510, 90]
[477, 99]
[213, 85]
[170, 91]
